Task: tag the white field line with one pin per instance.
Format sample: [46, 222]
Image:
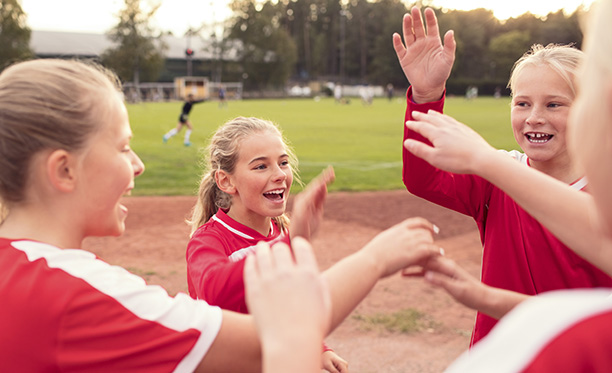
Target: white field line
[354, 165]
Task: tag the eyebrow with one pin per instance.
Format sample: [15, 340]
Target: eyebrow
[263, 158]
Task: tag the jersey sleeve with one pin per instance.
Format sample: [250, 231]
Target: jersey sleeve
[212, 276]
[462, 193]
[66, 310]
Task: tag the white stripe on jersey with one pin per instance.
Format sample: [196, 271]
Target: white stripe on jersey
[522, 334]
[522, 157]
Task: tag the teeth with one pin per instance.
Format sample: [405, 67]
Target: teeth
[538, 137]
[275, 192]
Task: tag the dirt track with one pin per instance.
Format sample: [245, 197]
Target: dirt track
[156, 236]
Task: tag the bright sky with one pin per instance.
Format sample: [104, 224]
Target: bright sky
[178, 15]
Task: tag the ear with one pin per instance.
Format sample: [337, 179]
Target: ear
[224, 182]
[61, 171]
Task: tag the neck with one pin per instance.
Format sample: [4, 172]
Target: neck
[29, 222]
[565, 171]
[259, 223]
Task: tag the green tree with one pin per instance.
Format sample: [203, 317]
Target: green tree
[268, 53]
[505, 49]
[139, 54]
[14, 33]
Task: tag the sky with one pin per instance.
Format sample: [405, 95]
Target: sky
[179, 15]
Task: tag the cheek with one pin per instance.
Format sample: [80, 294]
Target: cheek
[517, 127]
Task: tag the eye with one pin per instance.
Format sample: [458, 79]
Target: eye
[521, 104]
[284, 163]
[554, 105]
[260, 167]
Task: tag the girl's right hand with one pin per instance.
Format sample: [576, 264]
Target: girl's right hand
[425, 62]
[403, 245]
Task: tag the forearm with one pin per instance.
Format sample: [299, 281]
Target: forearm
[569, 214]
[498, 302]
[350, 280]
[301, 355]
[237, 334]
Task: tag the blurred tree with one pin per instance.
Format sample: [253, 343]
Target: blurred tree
[14, 34]
[268, 52]
[504, 50]
[139, 54]
[385, 18]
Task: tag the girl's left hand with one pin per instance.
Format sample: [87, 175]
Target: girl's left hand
[455, 147]
[308, 205]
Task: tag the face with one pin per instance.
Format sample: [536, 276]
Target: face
[540, 108]
[262, 179]
[108, 167]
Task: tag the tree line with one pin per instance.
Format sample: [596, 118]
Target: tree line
[344, 41]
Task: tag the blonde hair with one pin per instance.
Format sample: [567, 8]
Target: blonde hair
[47, 104]
[222, 154]
[564, 59]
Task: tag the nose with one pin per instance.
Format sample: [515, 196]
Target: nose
[137, 164]
[280, 174]
[535, 116]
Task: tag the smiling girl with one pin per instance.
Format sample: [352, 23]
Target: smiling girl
[520, 256]
[242, 201]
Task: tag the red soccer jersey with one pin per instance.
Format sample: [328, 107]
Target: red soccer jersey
[559, 331]
[215, 262]
[66, 310]
[519, 254]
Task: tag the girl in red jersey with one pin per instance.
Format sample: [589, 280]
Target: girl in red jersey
[560, 331]
[65, 164]
[242, 201]
[520, 256]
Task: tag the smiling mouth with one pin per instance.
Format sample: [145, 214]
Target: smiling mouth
[538, 138]
[275, 195]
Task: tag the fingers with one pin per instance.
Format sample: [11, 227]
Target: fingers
[407, 30]
[417, 23]
[450, 45]
[418, 222]
[432, 22]
[398, 45]
[303, 254]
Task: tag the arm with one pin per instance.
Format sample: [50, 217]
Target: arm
[212, 276]
[469, 291]
[569, 214]
[351, 279]
[427, 65]
[237, 334]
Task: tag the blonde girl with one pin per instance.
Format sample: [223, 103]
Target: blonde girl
[242, 200]
[520, 257]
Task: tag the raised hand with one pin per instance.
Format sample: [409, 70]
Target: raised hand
[455, 147]
[291, 305]
[308, 206]
[425, 62]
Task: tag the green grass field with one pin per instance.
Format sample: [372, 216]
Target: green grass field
[363, 143]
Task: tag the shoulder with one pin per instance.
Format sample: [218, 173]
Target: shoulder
[547, 319]
[517, 155]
